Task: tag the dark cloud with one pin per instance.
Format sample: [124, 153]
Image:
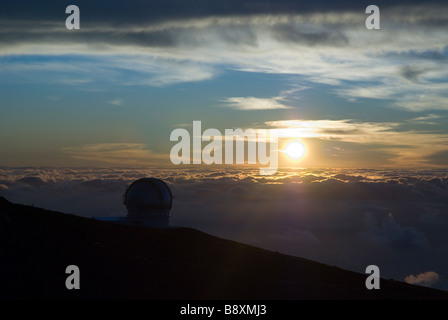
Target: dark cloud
[440, 158]
[341, 131]
[388, 232]
[430, 54]
[297, 235]
[118, 12]
[294, 34]
[431, 216]
[136, 11]
[35, 182]
[346, 177]
[310, 178]
[238, 36]
[411, 73]
[52, 34]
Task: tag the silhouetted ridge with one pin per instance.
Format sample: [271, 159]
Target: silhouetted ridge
[3, 201]
[125, 262]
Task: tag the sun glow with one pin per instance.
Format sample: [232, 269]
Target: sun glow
[295, 150]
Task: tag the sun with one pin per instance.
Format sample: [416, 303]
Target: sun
[295, 150]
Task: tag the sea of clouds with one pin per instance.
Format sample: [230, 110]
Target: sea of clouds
[396, 219]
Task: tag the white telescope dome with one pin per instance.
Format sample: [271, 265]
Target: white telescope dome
[149, 201]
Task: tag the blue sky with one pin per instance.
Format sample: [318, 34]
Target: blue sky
[136, 71]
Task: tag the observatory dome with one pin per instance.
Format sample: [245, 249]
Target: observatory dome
[149, 200]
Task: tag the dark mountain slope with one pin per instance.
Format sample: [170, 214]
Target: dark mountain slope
[122, 262]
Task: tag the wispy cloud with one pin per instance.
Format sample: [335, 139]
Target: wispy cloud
[115, 153]
[344, 130]
[116, 102]
[425, 119]
[428, 117]
[252, 103]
